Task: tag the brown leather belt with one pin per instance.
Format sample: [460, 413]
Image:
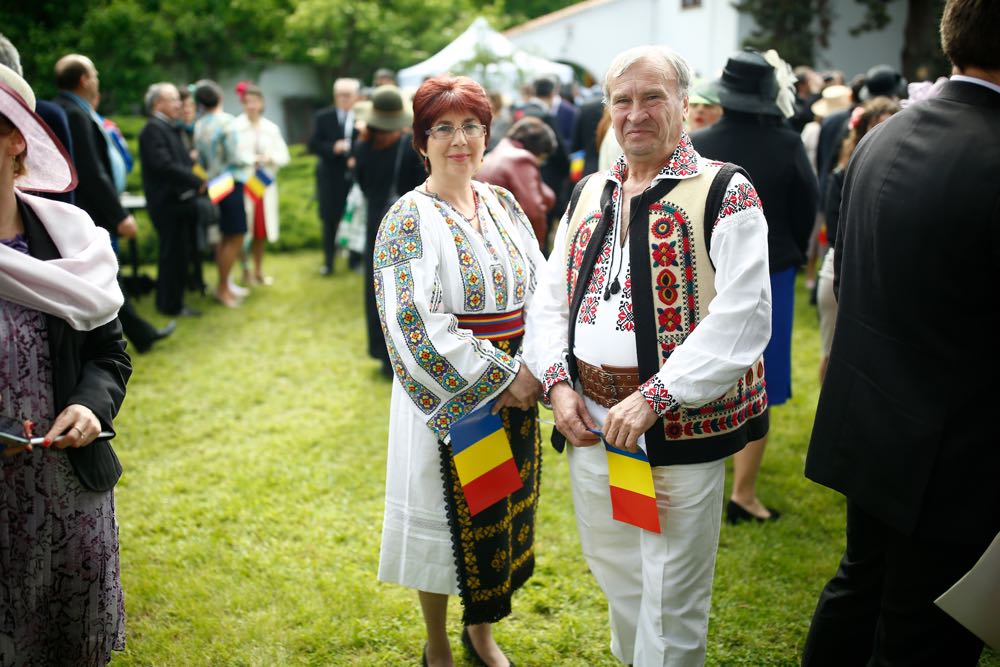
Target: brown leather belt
[607, 385]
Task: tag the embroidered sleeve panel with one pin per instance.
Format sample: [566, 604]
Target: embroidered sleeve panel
[398, 237]
[740, 196]
[658, 396]
[493, 380]
[552, 376]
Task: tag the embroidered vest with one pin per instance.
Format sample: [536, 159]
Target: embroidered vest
[673, 282]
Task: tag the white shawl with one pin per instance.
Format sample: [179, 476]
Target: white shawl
[81, 286]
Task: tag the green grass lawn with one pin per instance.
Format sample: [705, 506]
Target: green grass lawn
[254, 444]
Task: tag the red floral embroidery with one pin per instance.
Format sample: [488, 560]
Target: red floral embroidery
[658, 397]
[669, 319]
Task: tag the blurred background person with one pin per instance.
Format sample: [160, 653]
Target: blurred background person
[756, 93]
[704, 109]
[515, 164]
[216, 141]
[864, 118]
[101, 169]
[171, 188]
[259, 147]
[333, 134]
[386, 166]
[63, 366]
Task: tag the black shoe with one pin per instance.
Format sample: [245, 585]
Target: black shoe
[326, 270]
[423, 658]
[188, 312]
[165, 331]
[736, 513]
[471, 650]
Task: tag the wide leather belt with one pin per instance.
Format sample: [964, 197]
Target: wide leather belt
[607, 385]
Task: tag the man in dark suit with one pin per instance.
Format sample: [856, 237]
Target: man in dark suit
[332, 138]
[171, 187]
[99, 186]
[902, 427]
[585, 133]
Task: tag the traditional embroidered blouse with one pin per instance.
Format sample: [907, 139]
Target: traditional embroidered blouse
[710, 358]
[431, 265]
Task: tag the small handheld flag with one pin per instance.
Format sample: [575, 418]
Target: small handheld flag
[633, 499]
[220, 186]
[576, 162]
[257, 184]
[483, 459]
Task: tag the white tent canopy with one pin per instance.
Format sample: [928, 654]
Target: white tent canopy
[487, 56]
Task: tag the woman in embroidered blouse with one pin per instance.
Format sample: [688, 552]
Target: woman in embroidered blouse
[450, 256]
[259, 147]
[62, 365]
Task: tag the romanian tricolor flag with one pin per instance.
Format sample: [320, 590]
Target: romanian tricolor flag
[576, 162]
[220, 186]
[257, 184]
[633, 499]
[485, 464]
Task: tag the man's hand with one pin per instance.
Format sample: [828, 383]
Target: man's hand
[572, 418]
[341, 146]
[522, 393]
[627, 421]
[127, 228]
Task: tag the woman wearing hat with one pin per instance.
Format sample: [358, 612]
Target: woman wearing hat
[385, 167]
[757, 95]
[456, 264]
[63, 367]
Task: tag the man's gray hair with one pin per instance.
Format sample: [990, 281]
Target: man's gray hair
[9, 55]
[350, 85]
[153, 94]
[656, 55]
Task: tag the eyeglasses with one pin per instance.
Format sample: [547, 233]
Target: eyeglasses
[470, 130]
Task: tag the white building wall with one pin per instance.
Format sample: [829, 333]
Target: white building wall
[855, 55]
[276, 82]
[592, 33]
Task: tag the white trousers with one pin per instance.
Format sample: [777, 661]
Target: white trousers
[658, 586]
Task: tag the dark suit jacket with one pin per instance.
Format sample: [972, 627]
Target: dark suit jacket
[55, 118]
[167, 180]
[96, 192]
[585, 133]
[774, 157]
[90, 368]
[904, 426]
[333, 180]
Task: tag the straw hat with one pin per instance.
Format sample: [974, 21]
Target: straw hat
[47, 163]
[835, 98]
[388, 109]
[704, 91]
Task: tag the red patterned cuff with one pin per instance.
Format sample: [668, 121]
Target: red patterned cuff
[658, 396]
[555, 374]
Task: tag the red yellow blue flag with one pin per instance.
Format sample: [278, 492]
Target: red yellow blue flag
[220, 186]
[483, 459]
[257, 184]
[576, 162]
[633, 499]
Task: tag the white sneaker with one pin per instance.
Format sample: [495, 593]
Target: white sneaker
[238, 291]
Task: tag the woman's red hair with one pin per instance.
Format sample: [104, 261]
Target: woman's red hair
[445, 94]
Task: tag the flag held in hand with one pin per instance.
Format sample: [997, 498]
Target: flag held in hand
[257, 184]
[220, 186]
[483, 459]
[633, 499]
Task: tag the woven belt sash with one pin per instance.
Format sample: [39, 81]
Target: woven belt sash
[607, 385]
[494, 326]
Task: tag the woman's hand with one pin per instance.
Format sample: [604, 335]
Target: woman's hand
[77, 425]
[522, 393]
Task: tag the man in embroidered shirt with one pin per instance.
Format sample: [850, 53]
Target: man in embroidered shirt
[656, 310]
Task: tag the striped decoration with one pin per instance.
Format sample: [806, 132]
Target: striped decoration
[483, 459]
[633, 499]
[494, 326]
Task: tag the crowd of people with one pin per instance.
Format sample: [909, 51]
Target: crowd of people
[629, 261]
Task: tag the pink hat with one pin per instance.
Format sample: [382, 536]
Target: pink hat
[47, 163]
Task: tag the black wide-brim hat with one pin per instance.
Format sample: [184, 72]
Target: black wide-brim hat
[748, 84]
[388, 110]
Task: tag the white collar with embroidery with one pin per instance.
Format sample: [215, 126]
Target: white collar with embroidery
[684, 163]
